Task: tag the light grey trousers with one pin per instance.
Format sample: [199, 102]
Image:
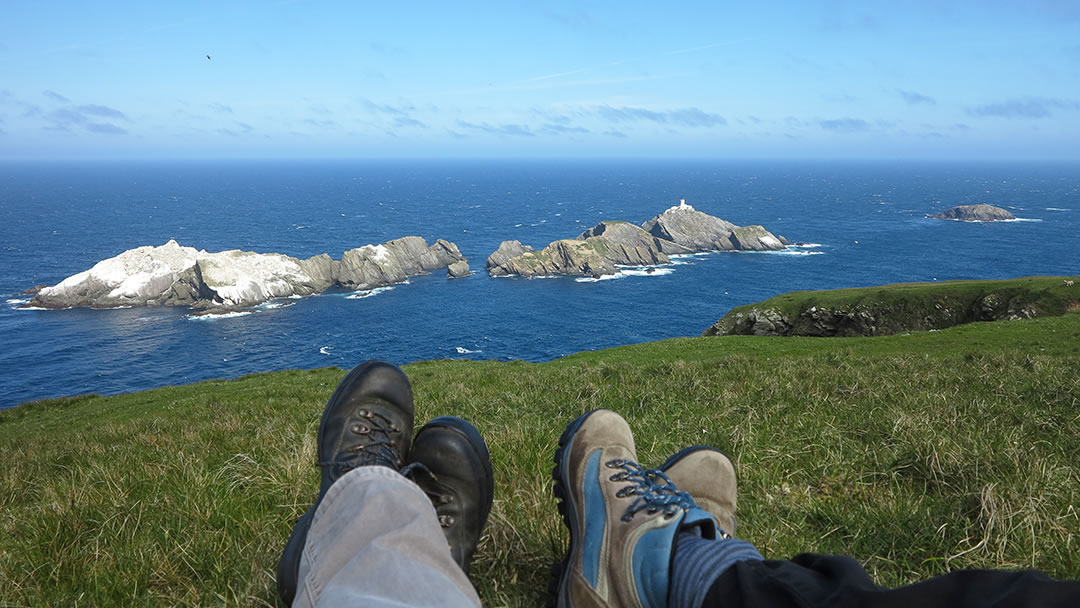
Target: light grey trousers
[375, 540]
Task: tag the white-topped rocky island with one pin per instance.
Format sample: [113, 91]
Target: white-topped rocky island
[174, 275]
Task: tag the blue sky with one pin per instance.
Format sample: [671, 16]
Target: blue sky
[317, 79]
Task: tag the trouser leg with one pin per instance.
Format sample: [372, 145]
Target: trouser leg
[375, 540]
[810, 580]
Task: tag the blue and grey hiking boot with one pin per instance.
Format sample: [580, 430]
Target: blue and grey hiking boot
[708, 475]
[623, 518]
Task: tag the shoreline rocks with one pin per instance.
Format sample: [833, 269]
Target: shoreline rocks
[174, 275]
[974, 213]
[601, 249]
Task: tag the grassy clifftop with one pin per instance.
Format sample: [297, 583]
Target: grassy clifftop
[917, 454]
[890, 309]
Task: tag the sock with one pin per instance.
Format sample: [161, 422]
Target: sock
[698, 562]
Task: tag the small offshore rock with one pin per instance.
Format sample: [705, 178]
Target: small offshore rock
[457, 270]
[975, 213]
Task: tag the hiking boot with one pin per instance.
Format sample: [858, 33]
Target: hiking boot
[707, 474]
[367, 422]
[450, 462]
[623, 519]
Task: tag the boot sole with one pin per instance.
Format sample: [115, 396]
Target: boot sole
[558, 587]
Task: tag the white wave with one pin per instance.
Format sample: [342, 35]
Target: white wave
[223, 315]
[325, 350]
[683, 256]
[806, 245]
[273, 305]
[302, 227]
[628, 272]
[1025, 219]
[367, 293]
[782, 252]
[656, 271]
[517, 225]
[31, 308]
[17, 301]
[1057, 209]
[465, 351]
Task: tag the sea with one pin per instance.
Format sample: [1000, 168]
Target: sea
[858, 223]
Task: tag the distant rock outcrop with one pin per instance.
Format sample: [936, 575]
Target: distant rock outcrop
[507, 250]
[975, 213]
[563, 257]
[690, 228]
[697, 231]
[601, 249]
[174, 275]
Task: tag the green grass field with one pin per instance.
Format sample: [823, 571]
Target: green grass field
[917, 454]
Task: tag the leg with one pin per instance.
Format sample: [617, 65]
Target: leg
[375, 540]
[709, 573]
[831, 580]
[375, 536]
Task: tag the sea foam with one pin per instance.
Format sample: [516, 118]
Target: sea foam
[628, 272]
[216, 316]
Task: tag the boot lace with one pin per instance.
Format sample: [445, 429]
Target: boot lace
[652, 489]
[376, 446]
[422, 476]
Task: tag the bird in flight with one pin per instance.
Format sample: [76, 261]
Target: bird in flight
[208, 57]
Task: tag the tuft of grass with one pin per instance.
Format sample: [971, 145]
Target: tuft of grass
[917, 454]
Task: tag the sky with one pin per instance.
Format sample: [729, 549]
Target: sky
[941, 79]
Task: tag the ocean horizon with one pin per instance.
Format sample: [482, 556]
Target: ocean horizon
[864, 223]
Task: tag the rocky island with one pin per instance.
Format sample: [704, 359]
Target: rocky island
[601, 249]
[974, 213]
[174, 275]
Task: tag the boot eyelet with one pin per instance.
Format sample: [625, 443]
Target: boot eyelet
[360, 429]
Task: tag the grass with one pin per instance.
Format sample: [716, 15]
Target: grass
[917, 454]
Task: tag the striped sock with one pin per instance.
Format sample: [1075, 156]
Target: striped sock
[698, 562]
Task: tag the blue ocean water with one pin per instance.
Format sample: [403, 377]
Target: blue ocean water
[868, 220]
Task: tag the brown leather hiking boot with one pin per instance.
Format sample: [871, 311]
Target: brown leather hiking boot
[367, 422]
[708, 475]
[623, 519]
[450, 462]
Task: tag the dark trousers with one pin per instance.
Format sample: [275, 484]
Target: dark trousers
[838, 581]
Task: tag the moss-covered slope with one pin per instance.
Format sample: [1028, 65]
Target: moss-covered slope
[890, 309]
